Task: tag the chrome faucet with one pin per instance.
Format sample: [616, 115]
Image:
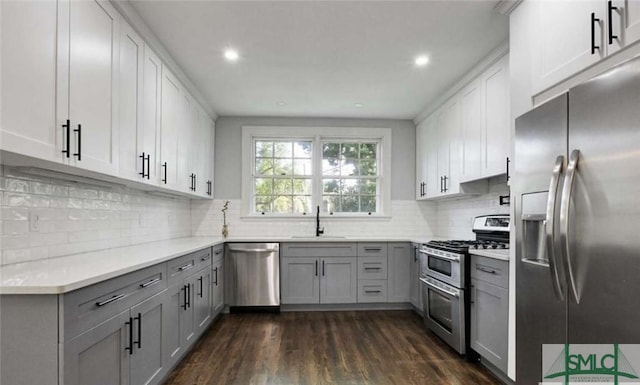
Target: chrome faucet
[319, 230]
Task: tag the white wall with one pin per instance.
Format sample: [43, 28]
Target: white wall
[76, 217]
[228, 151]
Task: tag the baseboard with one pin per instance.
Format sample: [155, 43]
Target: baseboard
[347, 307]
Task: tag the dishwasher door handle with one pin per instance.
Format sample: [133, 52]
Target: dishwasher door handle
[253, 250]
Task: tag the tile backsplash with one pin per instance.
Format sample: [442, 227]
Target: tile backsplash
[44, 217]
[455, 217]
[409, 219]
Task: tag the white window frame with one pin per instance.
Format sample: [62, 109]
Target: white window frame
[317, 135]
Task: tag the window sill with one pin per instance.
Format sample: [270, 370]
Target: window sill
[291, 218]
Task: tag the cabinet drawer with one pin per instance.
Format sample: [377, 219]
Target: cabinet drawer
[204, 258]
[372, 249]
[372, 290]
[372, 267]
[87, 307]
[218, 253]
[182, 267]
[316, 249]
[490, 270]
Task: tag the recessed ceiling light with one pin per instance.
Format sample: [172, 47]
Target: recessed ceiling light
[281, 103]
[421, 60]
[231, 54]
[359, 105]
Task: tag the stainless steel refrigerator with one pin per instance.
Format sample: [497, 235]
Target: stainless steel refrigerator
[577, 212]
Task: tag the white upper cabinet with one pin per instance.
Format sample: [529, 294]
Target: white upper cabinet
[471, 102]
[28, 80]
[204, 162]
[133, 162]
[496, 138]
[149, 135]
[169, 130]
[88, 59]
[570, 36]
[563, 39]
[185, 127]
[421, 159]
[432, 187]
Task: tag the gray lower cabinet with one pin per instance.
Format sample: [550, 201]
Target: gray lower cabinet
[415, 292]
[339, 280]
[217, 283]
[202, 299]
[490, 310]
[300, 280]
[98, 356]
[399, 259]
[126, 349]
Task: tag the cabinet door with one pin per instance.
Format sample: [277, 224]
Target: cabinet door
[147, 361]
[205, 158]
[173, 348]
[169, 130]
[449, 148]
[217, 287]
[432, 188]
[130, 104]
[202, 299]
[300, 280]
[339, 280]
[99, 356]
[28, 123]
[489, 322]
[415, 296]
[421, 159]
[627, 16]
[92, 39]
[562, 40]
[188, 315]
[399, 272]
[185, 145]
[151, 113]
[472, 118]
[497, 138]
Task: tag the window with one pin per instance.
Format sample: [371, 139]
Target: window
[282, 178]
[350, 177]
[293, 170]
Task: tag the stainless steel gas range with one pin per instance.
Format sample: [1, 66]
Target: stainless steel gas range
[444, 273]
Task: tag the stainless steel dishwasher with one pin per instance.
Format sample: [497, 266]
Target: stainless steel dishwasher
[252, 276]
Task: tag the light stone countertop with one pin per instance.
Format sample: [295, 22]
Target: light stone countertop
[64, 274]
[501, 254]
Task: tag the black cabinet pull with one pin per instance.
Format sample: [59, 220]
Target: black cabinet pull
[144, 159]
[323, 268]
[508, 161]
[195, 182]
[189, 294]
[150, 283]
[67, 128]
[445, 183]
[79, 131]
[594, 20]
[139, 341]
[164, 166]
[610, 9]
[130, 347]
[209, 188]
[216, 271]
[110, 300]
[148, 166]
[201, 288]
[184, 288]
[316, 267]
[441, 188]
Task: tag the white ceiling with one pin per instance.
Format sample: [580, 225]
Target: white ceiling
[323, 57]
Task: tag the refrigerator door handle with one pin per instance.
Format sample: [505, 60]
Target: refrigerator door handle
[565, 202]
[549, 225]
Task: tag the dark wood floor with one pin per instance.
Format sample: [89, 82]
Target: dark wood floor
[364, 347]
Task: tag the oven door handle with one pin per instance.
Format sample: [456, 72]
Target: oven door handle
[456, 295]
[452, 259]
